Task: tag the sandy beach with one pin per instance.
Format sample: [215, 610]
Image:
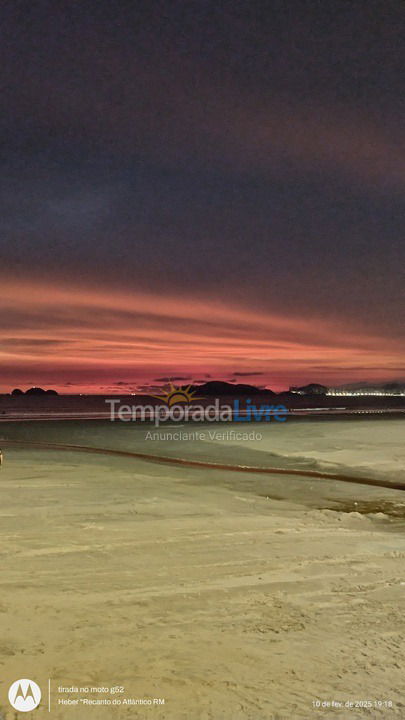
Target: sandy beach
[226, 596]
[202, 360]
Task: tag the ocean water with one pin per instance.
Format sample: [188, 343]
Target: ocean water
[368, 446]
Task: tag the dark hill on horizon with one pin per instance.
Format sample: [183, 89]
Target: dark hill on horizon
[220, 388]
[33, 391]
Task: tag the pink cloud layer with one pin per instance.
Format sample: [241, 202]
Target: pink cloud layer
[93, 339]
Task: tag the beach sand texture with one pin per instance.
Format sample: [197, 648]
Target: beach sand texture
[230, 596]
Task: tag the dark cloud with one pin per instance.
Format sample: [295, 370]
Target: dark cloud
[249, 153]
[27, 342]
[172, 379]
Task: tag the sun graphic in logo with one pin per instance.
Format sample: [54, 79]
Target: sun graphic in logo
[177, 395]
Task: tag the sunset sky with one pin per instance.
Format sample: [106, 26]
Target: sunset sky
[195, 190]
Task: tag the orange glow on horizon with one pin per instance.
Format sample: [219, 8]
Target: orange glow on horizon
[81, 340]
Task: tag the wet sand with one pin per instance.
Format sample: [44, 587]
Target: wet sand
[200, 464]
[219, 593]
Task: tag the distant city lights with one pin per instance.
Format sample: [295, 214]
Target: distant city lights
[365, 393]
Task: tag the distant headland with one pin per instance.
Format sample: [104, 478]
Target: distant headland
[33, 391]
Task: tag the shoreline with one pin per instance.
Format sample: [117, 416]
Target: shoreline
[293, 414]
[226, 597]
[164, 459]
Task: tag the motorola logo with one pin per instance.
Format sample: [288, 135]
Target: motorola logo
[24, 695]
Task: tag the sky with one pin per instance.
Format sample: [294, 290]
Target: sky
[196, 190]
